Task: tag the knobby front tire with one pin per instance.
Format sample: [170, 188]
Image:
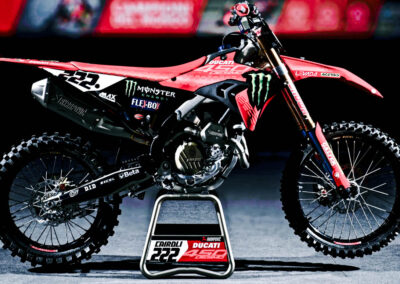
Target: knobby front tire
[346, 227]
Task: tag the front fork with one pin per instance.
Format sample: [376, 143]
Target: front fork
[308, 127]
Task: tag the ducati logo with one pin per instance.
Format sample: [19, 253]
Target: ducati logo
[259, 88]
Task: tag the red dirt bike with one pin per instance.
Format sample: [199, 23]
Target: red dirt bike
[60, 199]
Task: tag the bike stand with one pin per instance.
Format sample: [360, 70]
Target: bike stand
[187, 248]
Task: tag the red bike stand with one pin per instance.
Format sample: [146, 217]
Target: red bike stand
[187, 247]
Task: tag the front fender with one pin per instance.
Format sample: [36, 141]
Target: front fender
[303, 69]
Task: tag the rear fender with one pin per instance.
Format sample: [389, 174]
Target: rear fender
[303, 69]
[42, 63]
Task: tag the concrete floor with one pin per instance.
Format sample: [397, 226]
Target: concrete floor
[265, 247]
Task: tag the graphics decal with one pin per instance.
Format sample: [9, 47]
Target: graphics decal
[252, 101]
[109, 97]
[226, 67]
[86, 81]
[259, 88]
[133, 88]
[130, 89]
[71, 106]
[187, 251]
[334, 75]
[145, 104]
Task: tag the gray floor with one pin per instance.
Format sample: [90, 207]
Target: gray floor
[265, 248]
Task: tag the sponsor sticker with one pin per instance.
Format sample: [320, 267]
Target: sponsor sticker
[107, 181]
[259, 88]
[73, 192]
[109, 97]
[332, 75]
[306, 74]
[222, 62]
[90, 187]
[187, 251]
[145, 104]
[128, 174]
[133, 88]
[72, 107]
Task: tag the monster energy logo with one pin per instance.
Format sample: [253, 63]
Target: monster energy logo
[130, 88]
[259, 87]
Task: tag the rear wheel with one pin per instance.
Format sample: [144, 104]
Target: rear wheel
[356, 225]
[40, 168]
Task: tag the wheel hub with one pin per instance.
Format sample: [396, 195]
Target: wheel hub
[46, 212]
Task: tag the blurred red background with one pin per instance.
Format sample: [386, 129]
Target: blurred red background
[291, 18]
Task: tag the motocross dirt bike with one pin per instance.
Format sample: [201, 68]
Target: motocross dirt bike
[60, 200]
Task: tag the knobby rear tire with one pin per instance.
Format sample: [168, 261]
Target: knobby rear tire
[18, 243]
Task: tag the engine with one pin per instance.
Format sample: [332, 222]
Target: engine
[201, 158]
[189, 158]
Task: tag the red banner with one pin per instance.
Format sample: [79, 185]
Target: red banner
[9, 13]
[151, 17]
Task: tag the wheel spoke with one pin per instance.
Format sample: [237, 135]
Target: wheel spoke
[69, 227]
[42, 233]
[323, 177]
[331, 208]
[365, 215]
[376, 221]
[358, 221]
[376, 207]
[21, 218]
[367, 174]
[20, 209]
[55, 234]
[351, 221]
[334, 225]
[72, 222]
[30, 236]
[54, 165]
[350, 160]
[83, 178]
[374, 189]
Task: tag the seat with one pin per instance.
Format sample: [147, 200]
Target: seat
[144, 73]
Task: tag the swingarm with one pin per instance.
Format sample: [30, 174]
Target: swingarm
[103, 186]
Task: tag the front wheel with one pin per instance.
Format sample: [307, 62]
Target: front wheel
[353, 226]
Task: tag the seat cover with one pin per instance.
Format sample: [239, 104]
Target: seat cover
[145, 73]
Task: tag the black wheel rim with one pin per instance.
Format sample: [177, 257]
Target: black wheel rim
[55, 231]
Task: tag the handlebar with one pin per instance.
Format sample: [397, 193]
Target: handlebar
[240, 10]
[250, 22]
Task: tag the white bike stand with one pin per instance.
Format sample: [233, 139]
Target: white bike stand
[187, 248]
